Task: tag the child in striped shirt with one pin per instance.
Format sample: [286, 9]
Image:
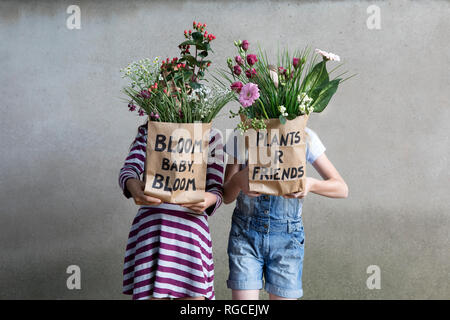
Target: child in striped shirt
[169, 252]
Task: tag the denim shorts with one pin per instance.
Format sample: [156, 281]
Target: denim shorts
[264, 248]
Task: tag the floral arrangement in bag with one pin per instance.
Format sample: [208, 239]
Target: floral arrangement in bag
[275, 104]
[180, 108]
[174, 90]
[297, 85]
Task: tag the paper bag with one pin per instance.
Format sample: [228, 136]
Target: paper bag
[176, 161]
[277, 157]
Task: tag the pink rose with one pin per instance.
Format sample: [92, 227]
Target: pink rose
[239, 60]
[237, 70]
[252, 59]
[245, 45]
[236, 86]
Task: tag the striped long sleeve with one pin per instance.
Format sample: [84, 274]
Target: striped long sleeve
[215, 169]
[134, 163]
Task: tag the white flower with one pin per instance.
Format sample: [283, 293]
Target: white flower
[328, 55]
[310, 110]
[304, 101]
[283, 111]
[302, 108]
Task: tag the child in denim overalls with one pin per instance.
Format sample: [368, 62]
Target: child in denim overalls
[267, 238]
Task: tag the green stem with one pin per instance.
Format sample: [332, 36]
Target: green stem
[264, 110]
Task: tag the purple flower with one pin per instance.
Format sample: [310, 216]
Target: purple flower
[239, 60]
[295, 62]
[237, 70]
[180, 113]
[249, 93]
[245, 45]
[145, 94]
[250, 73]
[236, 86]
[252, 59]
[131, 106]
[141, 112]
[154, 116]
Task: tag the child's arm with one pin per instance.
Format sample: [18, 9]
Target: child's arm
[332, 186]
[236, 181]
[214, 178]
[129, 175]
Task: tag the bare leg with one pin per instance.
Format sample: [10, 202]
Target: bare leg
[275, 297]
[192, 298]
[245, 294]
[185, 298]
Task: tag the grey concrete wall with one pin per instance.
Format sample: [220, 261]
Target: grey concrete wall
[65, 133]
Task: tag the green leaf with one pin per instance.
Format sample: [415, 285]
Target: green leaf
[188, 42]
[201, 74]
[189, 59]
[325, 95]
[195, 85]
[187, 74]
[318, 76]
[197, 36]
[282, 119]
[203, 54]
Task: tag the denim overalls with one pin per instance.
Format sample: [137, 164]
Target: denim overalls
[266, 239]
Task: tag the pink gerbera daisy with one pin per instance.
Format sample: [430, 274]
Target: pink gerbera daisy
[249, 93]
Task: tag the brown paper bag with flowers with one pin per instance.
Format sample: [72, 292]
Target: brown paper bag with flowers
[181, 107]
[278, 98]
[277, 157]
[176, 161]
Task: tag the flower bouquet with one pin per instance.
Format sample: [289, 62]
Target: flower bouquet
[275, 104]
[180, 109]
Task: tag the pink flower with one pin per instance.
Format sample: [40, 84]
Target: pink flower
[239, 60]
[252, 59]
[328, 55]
[249, 93]
[282, 70]
[154, 116]
[236, 86]
[245, 45]
[237, 70]
[295, 62]
[250, 73]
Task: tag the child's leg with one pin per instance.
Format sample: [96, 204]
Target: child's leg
[245, 294]
[192, 298]
[275, 297]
